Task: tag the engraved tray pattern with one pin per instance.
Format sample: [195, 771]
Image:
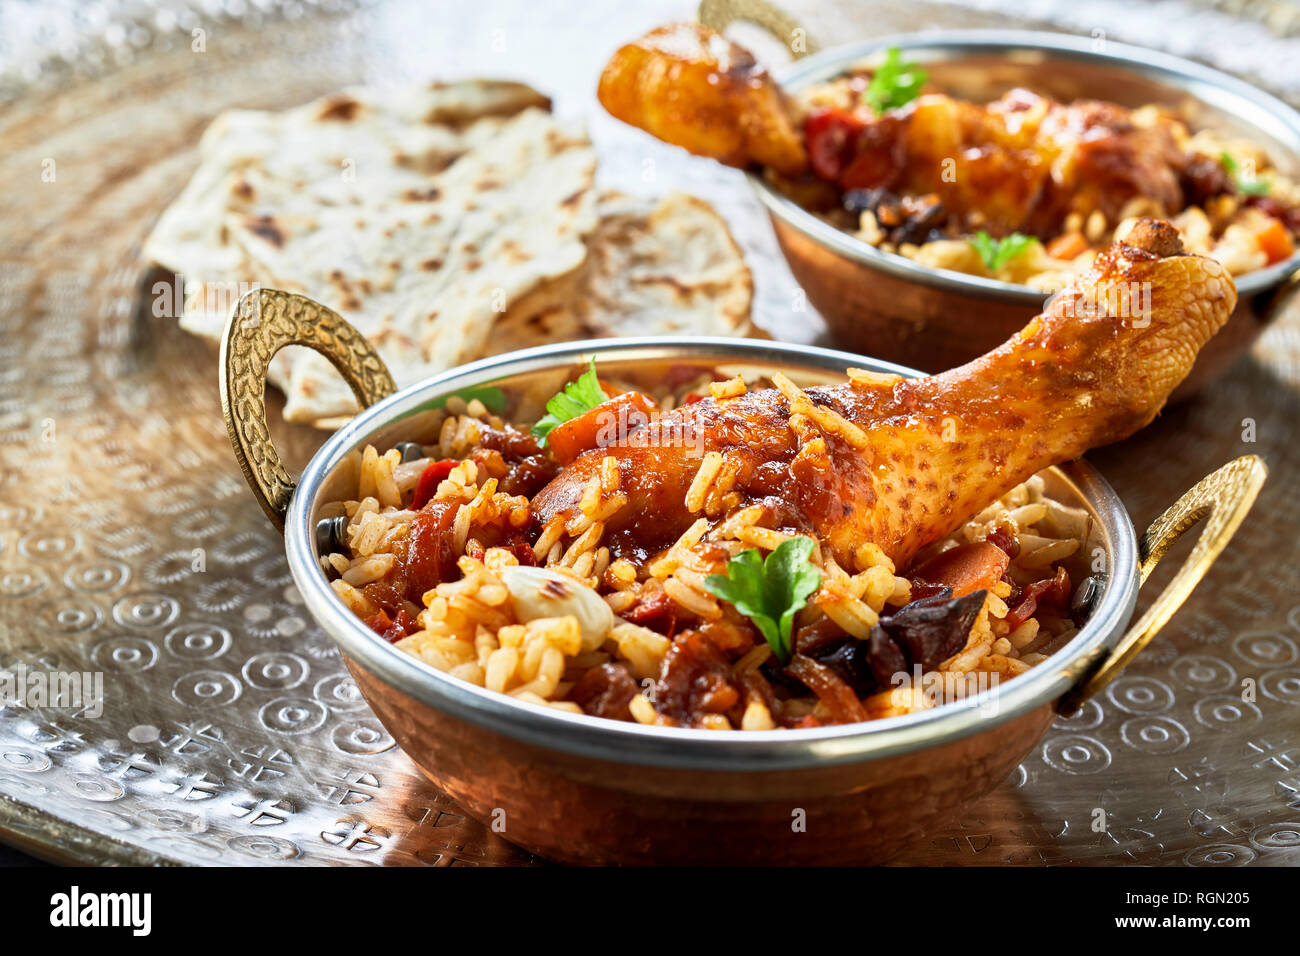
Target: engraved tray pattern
[232, 734]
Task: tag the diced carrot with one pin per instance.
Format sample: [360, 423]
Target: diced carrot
[608, 422]
[1275, 241]
[965, 568]
[1067, 245]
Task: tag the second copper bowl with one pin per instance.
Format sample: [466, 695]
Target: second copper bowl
[890, 307]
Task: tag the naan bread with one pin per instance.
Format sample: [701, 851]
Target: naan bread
[666, 267]
[445, 223]
[417, 217]
[350, 149]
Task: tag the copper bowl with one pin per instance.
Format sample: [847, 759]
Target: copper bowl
[890, 307]
[587, 790]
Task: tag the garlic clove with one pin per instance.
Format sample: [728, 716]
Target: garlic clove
[541, 592]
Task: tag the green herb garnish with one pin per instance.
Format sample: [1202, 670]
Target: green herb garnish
[493, 399]
[576, 399]
[998, 252]
[895, 82]
[770, 593]
[1246, 185]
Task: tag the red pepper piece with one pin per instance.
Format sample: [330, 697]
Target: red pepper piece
[429, 481]
[832, 135]
[389, 629]
[1053, 591]
[965, 568]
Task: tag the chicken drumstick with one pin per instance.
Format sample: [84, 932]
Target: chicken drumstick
[903, 463]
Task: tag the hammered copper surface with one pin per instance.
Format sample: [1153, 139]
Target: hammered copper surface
[233, 733]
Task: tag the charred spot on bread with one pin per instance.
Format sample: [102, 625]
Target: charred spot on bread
[267, 228]
[340, 109]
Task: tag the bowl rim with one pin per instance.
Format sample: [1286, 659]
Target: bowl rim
[1203, 83]
[688, 748]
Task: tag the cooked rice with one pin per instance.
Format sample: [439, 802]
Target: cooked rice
[827, 419]
[862, 376]
[703, 481]
[731, 388]
[472, 628]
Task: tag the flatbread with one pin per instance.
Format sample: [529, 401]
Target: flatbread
[351, 148]
[665, 267]
[416, 232]
[446, 223]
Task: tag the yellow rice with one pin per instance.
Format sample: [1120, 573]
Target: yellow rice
[471, 629]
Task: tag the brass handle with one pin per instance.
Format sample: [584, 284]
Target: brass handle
[1223, 499]
[265, 321]
[720, 14]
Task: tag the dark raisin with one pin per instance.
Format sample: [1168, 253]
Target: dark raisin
[887, 659]
[605, 691]
[695, 680]
[931, 630]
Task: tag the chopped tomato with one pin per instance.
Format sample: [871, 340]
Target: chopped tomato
[966, 568]
[606, 423]
[831, 135]
[388, 628]
[1275, 241]
[877, 156]
[430, 551]
[1053, 591]
[432, 477]
[654, 611]
[522, 550]
[830, 688]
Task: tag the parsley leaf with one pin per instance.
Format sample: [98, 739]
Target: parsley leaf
[576, 399]
[895, 82]
[493, 399]
[998, 252]
[770, 593]
[1247, 185]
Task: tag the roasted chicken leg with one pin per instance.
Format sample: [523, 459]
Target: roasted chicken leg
[694, 88]
[1021, 163]
[901, 463]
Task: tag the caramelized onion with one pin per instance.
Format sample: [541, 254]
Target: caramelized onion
[838, 697]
